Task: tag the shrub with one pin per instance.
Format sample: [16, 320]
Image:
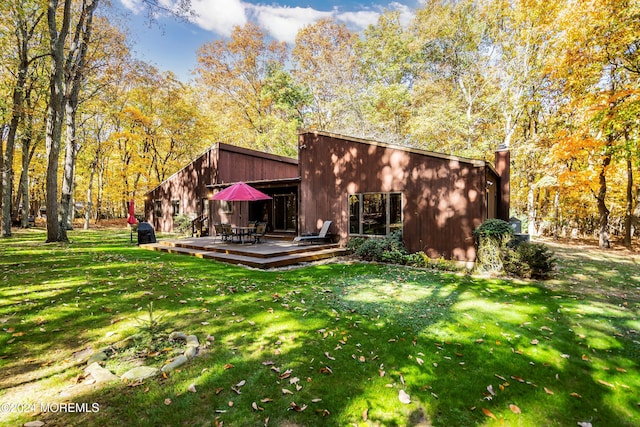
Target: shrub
[491, 239]
[529, 260]
[182, 224]
[375, 249]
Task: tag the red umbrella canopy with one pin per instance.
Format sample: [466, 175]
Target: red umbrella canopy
[240, 192]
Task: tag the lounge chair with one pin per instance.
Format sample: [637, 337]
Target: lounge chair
[260, 231]
[321, 237]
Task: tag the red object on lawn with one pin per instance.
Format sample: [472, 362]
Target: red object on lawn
[240, 192]
[132, 214]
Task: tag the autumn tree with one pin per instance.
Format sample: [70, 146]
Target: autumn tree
[598, 71]
[233, 72]
[25, 18]
[325, 62]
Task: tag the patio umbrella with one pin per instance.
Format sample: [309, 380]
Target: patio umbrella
[240, 192]
[132, 214]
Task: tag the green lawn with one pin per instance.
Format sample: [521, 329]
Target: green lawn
[331, 345]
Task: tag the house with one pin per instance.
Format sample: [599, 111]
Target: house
[190, 190]
[366, 188]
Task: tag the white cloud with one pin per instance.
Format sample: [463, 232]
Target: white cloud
[219, 16]
[360, 19]
[135, 6]
[283, 23]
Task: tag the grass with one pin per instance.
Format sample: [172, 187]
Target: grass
[330, 345]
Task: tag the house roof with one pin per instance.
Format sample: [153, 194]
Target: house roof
[475, 162]
[221, 146]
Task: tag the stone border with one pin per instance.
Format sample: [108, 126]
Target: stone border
[143, 372]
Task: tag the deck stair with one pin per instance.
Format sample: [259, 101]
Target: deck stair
[270, 254]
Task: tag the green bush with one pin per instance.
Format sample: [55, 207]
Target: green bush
[539, 259]
[387, 249]
[182, 224]
[491, 239]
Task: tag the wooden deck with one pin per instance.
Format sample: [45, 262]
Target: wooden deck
[270, 253]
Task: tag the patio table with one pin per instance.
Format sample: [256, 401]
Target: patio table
[242, 232]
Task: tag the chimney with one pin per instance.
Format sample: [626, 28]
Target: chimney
[503, 167]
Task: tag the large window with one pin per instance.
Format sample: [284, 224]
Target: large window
[375, 214]
[157, 205]
[175, 207]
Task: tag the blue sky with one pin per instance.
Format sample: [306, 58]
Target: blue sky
[171, 45]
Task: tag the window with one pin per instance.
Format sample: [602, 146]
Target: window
[375, 214]
[157, 208]
[175, 207]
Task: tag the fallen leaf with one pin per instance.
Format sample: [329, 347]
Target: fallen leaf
[286, 391]
[515, 409]
[228, 366]
[316, 400]
[534, 342]
[325, 370]
[219, 390]
[365, 414]
[255, 407]
[296, 407]
[490, 390]
[266, 400]
[192, 388]
[489, 414]
[404, 397]
[167, 401]
[574, 394]
[326, 353]
[420, 361]
[606, 383]
[241, 383]
[548, 391]
[584, 424]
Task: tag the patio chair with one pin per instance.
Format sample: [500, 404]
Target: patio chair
[227, 232]
[260, 231]
[321, 237]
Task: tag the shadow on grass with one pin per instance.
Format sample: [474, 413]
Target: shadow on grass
[352, 337]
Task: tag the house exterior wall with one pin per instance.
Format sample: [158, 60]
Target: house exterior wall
[443, 197]
[222, 163]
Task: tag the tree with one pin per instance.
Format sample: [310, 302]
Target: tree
[325, 63]
[26, 17]
[598, 73]
[234, 73]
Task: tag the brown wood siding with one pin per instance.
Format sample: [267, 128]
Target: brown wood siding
[223, 163]
[443, 198]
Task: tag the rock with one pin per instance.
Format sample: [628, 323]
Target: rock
[192, 341]
[97, 357]
[100, 374]
[178, 336]
[178, 361]
[83, 354]
[33, 424]
[191, 352]
[140, 373]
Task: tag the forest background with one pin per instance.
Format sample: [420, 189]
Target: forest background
[86, 126]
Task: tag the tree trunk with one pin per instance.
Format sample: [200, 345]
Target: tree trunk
[531, 207]
[75, 69]
[69, 166]
[57, 39]
[603, 211]
[628, 219]
[17, 114]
